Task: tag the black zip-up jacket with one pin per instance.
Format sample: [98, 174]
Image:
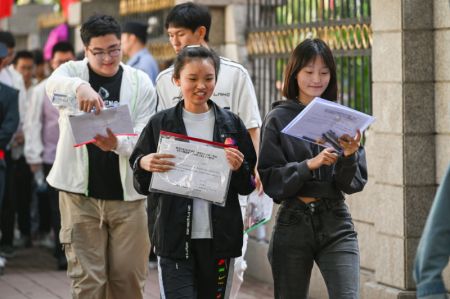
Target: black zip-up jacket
[282, 162]
[9, 114]
[171, 234]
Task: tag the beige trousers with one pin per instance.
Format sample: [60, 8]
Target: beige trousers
[106, 245]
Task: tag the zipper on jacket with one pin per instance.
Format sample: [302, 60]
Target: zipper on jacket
[188, 231]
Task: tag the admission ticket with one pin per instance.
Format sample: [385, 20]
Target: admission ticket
[201, 168]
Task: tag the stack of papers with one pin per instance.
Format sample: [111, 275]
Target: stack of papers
[86, 126]
[322, 122]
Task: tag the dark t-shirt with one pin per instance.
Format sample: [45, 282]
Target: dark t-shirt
[104, 175]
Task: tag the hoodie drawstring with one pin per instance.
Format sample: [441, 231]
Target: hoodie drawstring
[101, 206]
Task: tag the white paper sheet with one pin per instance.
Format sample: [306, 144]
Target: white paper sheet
[201, 171]
[85, 126]
[322, 116]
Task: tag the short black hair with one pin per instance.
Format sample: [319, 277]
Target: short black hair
[191, 16]
[136, 28]
[190, 53]
[23, 54]
[99, 25]
[8, 39]
[38, 56]
[62, 47]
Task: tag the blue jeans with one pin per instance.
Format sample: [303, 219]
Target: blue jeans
[321, 232]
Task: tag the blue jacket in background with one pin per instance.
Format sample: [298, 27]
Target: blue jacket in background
[434, 247]
[145, 62]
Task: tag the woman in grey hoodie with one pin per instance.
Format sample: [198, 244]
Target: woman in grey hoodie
[313, 223]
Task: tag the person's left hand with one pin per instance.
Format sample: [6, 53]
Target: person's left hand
[235, 158]
[19, 138]
[350, 145]
[106, 143]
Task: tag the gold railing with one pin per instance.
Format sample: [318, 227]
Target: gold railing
[162, 51]
[140, 6]
[339, 37]
[50, 20]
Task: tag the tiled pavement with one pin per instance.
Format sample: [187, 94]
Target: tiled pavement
[31, 275]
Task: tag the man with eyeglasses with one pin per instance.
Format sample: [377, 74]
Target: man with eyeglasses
[103, 219]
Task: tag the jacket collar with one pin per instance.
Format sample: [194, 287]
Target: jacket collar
[222, 124]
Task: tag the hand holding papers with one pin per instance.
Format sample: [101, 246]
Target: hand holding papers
[201, 168]
[87, 125]
[323, 121]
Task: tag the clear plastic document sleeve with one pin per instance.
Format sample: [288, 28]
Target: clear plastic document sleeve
[258, 212]
[201, 168]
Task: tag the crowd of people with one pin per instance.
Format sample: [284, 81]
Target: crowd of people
[95, 203]
[104, 221]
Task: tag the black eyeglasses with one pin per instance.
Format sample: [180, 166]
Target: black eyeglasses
[101, 55]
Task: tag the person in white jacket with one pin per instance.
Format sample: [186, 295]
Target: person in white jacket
[103, 219]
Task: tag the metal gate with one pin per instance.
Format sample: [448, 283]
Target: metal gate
[276, 27]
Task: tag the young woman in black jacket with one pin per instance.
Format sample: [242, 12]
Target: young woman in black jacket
[313, 222]
[195, 241]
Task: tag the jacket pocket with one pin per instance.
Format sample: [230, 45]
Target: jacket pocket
[341, 211]
[74, 269]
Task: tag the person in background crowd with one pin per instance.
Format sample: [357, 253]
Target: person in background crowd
[9, 121]
[40, 66]
[189, 24]
[134, 39]
[8, 75]
[433, 251]
[313, 222]
[23, 63]
[42, 133]
[103, 219]
[196, 249]
[18, 193]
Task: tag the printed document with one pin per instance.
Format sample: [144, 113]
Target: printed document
[86, 125]
[323, 122]
[201, 169]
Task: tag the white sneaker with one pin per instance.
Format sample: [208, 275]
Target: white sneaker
[152, 265]
[2, 264]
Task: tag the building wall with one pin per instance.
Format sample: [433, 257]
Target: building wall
[26, 33]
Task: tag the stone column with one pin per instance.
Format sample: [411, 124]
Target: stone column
[401, 151]
[442, 85]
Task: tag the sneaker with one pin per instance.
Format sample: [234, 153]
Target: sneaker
[46, 241]
[24, 242]
[7, 251]
[2, 265]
